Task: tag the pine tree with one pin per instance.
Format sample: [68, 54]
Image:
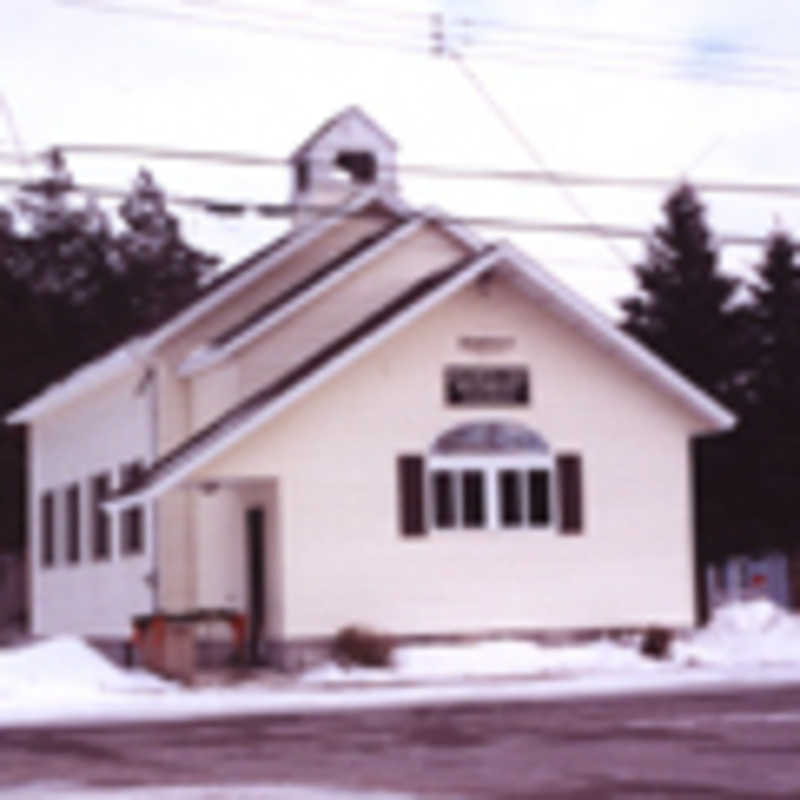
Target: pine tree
[65, 236]
[70, 288]
[775, 314]
[682, 309]
[772, 424]
[161, 271]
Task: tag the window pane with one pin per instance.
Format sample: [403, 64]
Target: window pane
[101, 522]
[539, 493]
[444, 512]
[48, 538]
[132, 533]
[474, 515]
[73, 524]
[132, 539]
[510, 485]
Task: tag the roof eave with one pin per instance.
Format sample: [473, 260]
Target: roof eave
[83, 378]
[481, 264]
[717, 417]
[89, 376]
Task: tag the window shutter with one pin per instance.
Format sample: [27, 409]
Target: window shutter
[411, 486]
[570, 492]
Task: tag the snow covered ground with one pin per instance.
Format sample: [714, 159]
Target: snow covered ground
[63, 680]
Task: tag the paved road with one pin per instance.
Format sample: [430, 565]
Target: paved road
[736, 745]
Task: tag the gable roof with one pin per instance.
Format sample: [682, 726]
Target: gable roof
[295, 296]
[136, 349]
[351, 112]
[420, 296]
[324, 363]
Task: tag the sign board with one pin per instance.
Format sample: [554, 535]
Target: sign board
[486, 386]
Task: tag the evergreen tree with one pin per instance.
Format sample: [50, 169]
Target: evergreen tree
[682, 309]
[775, 314]
[161, 271]
[70, 288]
[772, 425]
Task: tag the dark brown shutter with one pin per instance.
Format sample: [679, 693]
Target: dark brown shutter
[570, 492]
[411, 486]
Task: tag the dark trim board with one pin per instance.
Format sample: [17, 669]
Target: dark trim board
[250, 405]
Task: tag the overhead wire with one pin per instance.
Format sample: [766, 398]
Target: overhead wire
[231, 206]
[103, 6]
[326, 27]
[470, 23]
[515, 37]
[379, 36]
[784, 189]
[524, 141]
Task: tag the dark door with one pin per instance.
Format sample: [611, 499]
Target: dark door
[254, 522]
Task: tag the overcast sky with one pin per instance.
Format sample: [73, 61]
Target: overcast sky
[707, 89]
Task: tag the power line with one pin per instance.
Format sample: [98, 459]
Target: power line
[546, 55]
[236, 24]
[438, 171]
[519, 135]
[471, 24]
[238, 207]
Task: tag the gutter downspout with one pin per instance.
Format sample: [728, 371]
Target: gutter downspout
[154, 539]
[149, 383]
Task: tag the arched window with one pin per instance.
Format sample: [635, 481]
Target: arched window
[490, 475]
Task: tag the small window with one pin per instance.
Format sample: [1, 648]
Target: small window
[539, 497]
[100, 522]
[444, 499]
[132, 534]
[73, 524]
[48, 533]
[132, 519]
[474, 513]
[510, 490]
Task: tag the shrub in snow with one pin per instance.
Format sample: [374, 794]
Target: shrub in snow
[656, 643]
[362, 647]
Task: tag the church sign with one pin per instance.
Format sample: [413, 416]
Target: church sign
[486, 385]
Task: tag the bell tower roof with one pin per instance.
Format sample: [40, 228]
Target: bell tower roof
[346, 153]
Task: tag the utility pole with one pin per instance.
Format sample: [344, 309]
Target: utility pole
[438, 35]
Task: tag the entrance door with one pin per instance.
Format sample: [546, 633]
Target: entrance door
[254, 526]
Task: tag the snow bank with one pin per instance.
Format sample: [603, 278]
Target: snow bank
[66, 665]
[490, 659]
[749, 632]
[751, 643]
[743, 633]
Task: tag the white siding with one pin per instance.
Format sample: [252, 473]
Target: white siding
[335, 452]
[100, 433]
